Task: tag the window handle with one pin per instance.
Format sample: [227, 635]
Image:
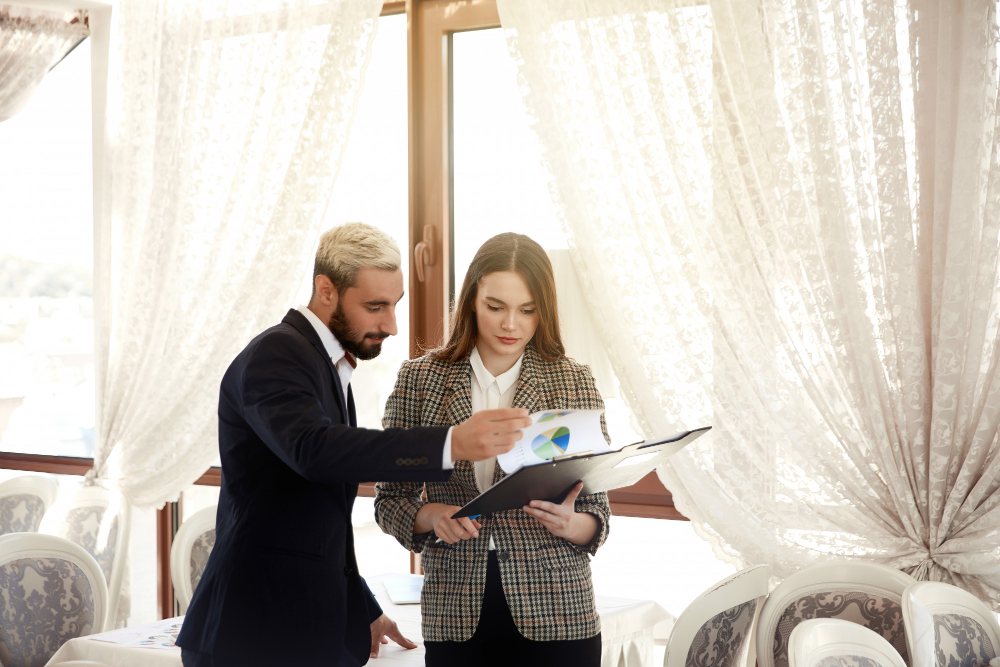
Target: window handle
[423, 253]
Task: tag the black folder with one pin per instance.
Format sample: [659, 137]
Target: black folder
[599, 472]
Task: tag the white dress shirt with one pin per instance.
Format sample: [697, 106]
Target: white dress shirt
[345, 364]
[490, 393]
[342, 361]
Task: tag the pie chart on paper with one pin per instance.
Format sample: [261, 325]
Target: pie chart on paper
[552, 443]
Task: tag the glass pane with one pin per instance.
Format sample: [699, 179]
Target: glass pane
[500, 185]
[46, 267]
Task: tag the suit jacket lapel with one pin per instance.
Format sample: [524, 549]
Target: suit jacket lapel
[457, 402]
[302, 325]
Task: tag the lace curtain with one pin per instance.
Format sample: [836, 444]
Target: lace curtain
[787, 218]
[32, 41]
[226, 124]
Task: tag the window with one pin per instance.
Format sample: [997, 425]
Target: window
[46, 266]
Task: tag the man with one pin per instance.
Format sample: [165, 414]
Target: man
[282, 585]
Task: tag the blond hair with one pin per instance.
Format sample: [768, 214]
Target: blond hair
[348, 248]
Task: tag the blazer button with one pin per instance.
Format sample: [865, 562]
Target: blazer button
[399, 461]
[348, 571]
[504, 556]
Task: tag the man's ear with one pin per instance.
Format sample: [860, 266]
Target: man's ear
[326, 293]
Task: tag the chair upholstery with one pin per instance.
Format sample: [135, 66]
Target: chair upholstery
[831, 642]
[961, 641]
[192, 545]
[966, 632]
[98, 520]
[717, 629]
[51, 591]
[724, 638]
[23, 502]
[867, 594]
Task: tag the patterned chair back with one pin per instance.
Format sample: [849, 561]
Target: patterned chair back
[965, 631]
[831, 642]
[51, 591]
[867, 594]
[717, 629]
[189, 553]
[24, 501]
[98, 520]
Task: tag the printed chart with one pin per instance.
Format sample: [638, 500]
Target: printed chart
[552, 443]
[556, 433]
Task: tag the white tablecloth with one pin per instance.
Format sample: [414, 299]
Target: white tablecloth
[627, 634]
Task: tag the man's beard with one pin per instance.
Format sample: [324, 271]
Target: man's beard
[351, 340]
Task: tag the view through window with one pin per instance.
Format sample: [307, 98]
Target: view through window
[46, 268]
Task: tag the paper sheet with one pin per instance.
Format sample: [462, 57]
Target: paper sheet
[159, 635]
[556, 433]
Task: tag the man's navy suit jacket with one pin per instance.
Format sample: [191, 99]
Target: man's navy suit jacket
[282, 585]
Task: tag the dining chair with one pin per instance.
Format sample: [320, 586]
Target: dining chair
[868, 594]
[833, 642]
[717, 629]
[51, 591]
[192, 545]
[24, 501]
[948, 627]
[98, 520]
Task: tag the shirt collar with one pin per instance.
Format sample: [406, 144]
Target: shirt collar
[504, 381]
[330, 342]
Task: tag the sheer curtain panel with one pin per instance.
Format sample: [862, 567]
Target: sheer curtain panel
[226, 124]
[33, 41]
[786, 217]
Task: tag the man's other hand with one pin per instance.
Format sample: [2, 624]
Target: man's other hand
[488, 433]
[384, 629]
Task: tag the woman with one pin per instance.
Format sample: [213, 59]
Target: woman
[514, 587]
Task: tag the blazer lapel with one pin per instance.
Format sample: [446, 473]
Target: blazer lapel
[304, 327]
[457, 401]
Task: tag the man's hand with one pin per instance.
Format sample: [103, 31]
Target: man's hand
[384, 629]
[563, 520]
[437, 517]
[488, 433]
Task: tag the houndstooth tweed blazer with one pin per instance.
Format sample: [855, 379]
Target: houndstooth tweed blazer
[546, 578]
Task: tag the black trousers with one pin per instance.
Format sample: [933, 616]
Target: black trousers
[498, 642]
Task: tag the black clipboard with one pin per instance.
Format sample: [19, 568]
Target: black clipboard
[599, 472]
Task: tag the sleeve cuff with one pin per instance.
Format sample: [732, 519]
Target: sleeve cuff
[446, 462]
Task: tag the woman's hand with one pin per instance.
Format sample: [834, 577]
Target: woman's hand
[562, 520]
[437, 517]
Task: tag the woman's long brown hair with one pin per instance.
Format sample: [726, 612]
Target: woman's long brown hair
[507, 252]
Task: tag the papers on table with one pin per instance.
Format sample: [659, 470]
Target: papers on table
[403, 590]
[158, 635]
[556, 433]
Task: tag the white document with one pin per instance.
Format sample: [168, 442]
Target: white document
[556, 433]
[158, 635]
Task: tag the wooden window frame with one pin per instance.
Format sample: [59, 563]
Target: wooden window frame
[430, 26]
